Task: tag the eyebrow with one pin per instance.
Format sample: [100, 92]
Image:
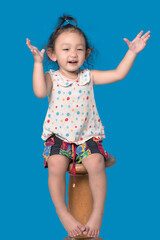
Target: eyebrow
[70, 44]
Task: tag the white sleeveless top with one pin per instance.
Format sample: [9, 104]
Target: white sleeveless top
[72, 113]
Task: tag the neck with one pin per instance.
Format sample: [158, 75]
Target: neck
[71, 75]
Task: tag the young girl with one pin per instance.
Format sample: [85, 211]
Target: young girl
[72, 129]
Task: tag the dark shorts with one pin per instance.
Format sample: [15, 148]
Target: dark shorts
[54, 145]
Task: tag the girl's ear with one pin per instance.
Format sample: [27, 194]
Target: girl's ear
[88, 51]
[51, 55]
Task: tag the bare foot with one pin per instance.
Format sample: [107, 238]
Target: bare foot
[93, 225]
[72, 226]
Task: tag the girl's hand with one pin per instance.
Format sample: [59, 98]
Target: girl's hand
[138, 43]
[38, 55]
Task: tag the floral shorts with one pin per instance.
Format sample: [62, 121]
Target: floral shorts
[54, 145]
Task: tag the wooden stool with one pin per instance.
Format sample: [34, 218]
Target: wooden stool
[80, 200]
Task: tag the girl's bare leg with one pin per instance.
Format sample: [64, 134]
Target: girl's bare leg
[57, 167]
[95, 166]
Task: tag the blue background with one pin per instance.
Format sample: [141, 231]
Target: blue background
[129, 110]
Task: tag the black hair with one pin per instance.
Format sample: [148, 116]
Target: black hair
[63, 28]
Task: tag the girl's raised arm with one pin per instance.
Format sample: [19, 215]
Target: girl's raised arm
[42, 83]
[106, 77]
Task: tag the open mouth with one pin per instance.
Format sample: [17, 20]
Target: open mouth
[73, 62]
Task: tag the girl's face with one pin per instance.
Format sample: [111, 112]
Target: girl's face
[70, 52]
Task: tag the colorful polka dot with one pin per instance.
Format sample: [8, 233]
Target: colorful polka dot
[72, 111]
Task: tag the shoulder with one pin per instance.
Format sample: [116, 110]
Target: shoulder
[51, 73]
[95, 72]
[49, 81]
[48, 77]
[85, 73]
[85, 76]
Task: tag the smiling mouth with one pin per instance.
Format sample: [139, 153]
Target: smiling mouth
[73, 62]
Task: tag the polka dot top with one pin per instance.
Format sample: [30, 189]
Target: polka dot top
[72, 113]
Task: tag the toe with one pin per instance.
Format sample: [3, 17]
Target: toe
[70, 234]
[86, 230]
[82, 228]
[89, 233]
[75, 233]
[79, 231]
[93, 233]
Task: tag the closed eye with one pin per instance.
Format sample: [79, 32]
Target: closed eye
[66, 49]
[80, 49]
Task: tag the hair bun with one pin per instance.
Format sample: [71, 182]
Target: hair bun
[66, 18]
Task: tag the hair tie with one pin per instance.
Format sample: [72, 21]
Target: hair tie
[67, 21]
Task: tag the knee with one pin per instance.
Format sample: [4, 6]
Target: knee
[55, 166]
[96, 164]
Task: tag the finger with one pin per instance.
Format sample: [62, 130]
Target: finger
[28, 42]
[43, 51]
[139, 34]
[146, 39]
[126, 40]
[145, 35]
[32, 48]
[34, 51]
